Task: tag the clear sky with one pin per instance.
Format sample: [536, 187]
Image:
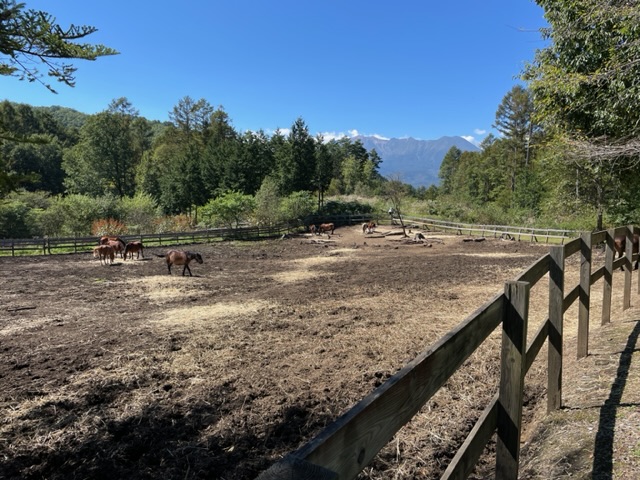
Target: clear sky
[413, 68]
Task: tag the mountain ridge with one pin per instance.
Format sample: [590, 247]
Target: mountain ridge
[416, 162]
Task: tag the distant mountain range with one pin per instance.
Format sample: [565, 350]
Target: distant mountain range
[416, 162]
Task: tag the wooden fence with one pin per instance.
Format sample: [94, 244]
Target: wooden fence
[49, 246]
[497, 231]
[346, 446]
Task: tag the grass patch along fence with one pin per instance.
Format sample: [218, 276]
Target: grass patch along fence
[350, 443]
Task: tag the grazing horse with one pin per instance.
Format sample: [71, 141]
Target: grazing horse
[313, 229]
[368, 227]
[179, 257]
[620, 245]
[326, 227]
[107, 240]
[133, 247]
[118, 247]
[104, 252]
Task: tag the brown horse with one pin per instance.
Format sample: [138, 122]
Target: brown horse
[313, 229]
[326, 227]
[620, 245]
[179, 257]
[107, 240]
[104, 252]
[368, 227]
[134, 247]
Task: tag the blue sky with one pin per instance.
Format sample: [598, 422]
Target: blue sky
[410, 68]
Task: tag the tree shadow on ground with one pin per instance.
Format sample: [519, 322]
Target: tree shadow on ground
[603, 448]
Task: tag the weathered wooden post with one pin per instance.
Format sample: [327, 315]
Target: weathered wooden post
[513, 366]
[556, 314]
[608, 277]
[584, 296]
[626, 301]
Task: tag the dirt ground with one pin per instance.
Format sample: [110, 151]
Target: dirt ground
[124, 371]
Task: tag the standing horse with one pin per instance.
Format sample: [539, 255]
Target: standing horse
[368, 227]
[104, 252]
[178, 257]
[326, 227]
[118, 247]
[620, 245]
[107, 240]
[133, 247]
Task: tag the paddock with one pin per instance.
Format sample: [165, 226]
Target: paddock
[142, 374]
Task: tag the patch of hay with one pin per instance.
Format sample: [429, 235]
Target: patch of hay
[208, 313]
[300, 267]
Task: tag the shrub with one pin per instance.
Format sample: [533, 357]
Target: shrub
[230, 210]
[109, 226]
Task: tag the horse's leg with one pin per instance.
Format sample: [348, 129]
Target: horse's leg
[186, 267]
[169, 267]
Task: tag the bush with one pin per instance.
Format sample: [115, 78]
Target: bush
[109, 226]
[341, 207]
[168, 224]
[139, 213]
[297, 206]
[230, 210]
[16, 220]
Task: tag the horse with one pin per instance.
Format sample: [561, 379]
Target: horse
[133, 247]
[313, 229]
[107, 240]
[620, 245]
[118, 247]
[326, 227]
[368, 227]
[102, 252]
[179, 257]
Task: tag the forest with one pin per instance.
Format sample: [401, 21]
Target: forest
[566, 154]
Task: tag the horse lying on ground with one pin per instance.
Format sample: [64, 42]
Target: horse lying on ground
[104, 252]
[326, 227]
[620, 245]
[116, 242]
[179, 257]
[133, 247]
[368, 227]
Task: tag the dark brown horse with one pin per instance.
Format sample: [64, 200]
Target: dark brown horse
[179, 257]
[620, 244]
[326, 227]
[134, 247]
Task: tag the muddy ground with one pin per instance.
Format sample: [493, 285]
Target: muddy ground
[124, 371]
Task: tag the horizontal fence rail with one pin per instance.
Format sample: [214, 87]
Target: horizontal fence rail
[52, 245]
[497, 231]
[346, 446]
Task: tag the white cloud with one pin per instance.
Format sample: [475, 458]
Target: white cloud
[328, 136]
[470, 139]
[479, 131]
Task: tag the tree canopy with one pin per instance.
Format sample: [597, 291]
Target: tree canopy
[31, 39]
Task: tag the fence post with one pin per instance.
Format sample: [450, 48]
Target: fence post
[608, 277]
[626, 301]
[513, 364]
[556, 313]
[584, 295]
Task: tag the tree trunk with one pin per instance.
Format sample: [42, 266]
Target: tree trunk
[600, 206]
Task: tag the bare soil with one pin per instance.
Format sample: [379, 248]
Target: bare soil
[125, 371]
